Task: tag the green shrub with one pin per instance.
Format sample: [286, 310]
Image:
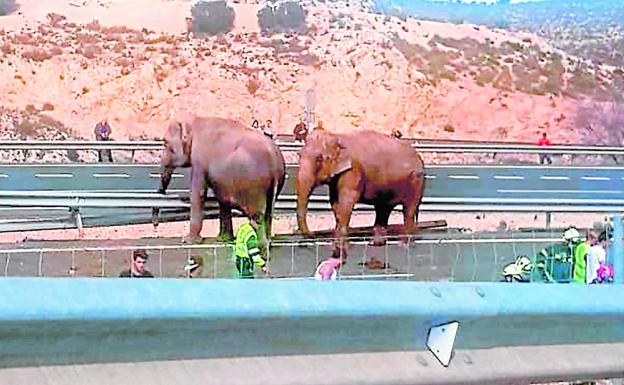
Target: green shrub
[212, 18]
[7, 6]
[285, 16]
[485, 76]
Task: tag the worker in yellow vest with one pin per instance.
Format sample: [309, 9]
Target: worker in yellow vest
[247, 251]
[579, 248]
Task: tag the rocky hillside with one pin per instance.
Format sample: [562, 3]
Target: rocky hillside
[428, 79]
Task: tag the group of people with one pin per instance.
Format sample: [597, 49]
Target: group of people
[247, 256]
[138, 269]
[589, 257]
[584, 261]
[266, 129]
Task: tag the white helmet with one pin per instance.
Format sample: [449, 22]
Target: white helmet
[571, 235]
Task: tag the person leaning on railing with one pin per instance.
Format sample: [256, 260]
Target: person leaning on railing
[102, 132]
[137, 266]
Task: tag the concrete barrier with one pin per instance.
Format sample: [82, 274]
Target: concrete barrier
[279, 331]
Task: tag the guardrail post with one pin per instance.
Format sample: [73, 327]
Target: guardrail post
[617, 249]
[548, 219]
[75, 212]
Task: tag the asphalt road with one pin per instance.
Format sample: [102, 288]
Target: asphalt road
[124, 194]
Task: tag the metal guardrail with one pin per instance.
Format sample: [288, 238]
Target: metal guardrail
[447, 256]
[447, 189]
[289, 145]
[306, 332]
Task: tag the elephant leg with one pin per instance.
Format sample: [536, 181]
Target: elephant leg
[382, 215]
[410, 218]
[198, 190]
[226, 231]
[410, 207]
[259, 221]
[268, 224]
[342, 211]
[269, 208]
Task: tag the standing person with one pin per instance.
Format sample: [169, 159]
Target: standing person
[247, 251]
[137, 267]
[255, 125]
[328, 269]
[102, 132]
[300, 131]
[596, 257]
[580, 249]
[397, 134]
[268, 129]
[543, 141]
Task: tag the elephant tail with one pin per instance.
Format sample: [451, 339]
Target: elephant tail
[272, 196]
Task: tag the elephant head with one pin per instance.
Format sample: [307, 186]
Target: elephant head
[178, 139]
[177, 153]
[323, 158]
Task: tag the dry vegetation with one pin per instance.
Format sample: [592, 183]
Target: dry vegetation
[369, 71]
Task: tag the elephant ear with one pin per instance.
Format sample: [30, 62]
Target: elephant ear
[342, 160]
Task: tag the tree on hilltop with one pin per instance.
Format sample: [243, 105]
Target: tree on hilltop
[7, 7]
[212, 17]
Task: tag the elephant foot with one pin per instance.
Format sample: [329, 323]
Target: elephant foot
[340, 252]
[192, 239]
[225, 237]
[304, 233]
[378, 242]
[378, 237]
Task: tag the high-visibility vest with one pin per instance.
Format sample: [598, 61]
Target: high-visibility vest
[579, 274]
[246, 250]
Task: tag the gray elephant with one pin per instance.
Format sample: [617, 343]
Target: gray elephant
[244, 168]
[366, 167]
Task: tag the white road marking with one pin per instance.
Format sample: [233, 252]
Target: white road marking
[546, 177]
[153, 175]
[509, 177]
[463, 177]
[54, 175]
[111, 175]
[595, 178]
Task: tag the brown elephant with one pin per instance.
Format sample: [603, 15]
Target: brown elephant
[244, 168]
[361, 167]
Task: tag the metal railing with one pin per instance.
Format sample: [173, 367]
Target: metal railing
[288, 145]
[453, 257]
[282, 332]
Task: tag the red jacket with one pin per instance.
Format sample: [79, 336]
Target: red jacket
[543, 142]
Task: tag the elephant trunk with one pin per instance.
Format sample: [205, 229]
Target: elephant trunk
[165, 179]
[305, 185]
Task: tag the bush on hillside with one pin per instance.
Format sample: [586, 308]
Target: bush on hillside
[286, 16]
[7, 6]
[212, 17]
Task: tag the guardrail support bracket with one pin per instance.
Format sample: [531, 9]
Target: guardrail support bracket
[75, 213]
[440, 341]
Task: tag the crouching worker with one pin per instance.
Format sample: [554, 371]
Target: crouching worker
[518, 271]
[328, 269]
[247, 251]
